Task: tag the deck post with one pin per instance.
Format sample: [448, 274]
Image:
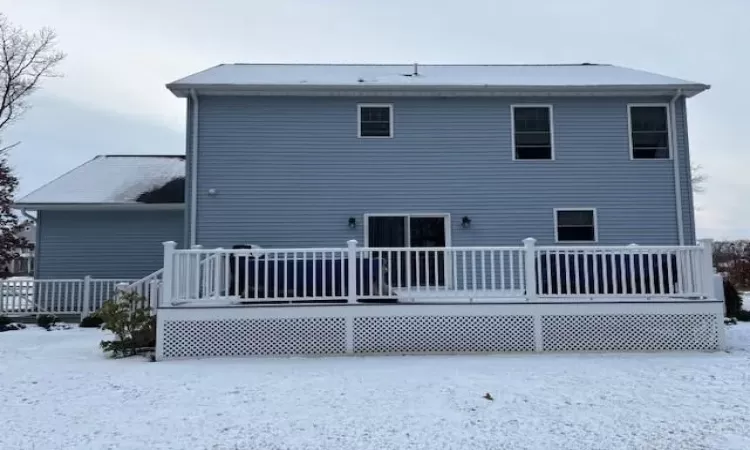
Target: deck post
[530, 268]
[153, 296]
[86, 301]
[194, 261]
[218, 275]
[351, 294]
[168, 275]
[707, 273]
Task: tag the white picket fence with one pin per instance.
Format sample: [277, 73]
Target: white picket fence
[528, 273]
[27, 296]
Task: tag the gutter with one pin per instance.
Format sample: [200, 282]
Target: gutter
[374, 87]
[98, 207]
[193, 169]
[676, 165]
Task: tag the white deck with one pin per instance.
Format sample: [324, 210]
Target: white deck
[341, 329]
[424, 296]
[361, 300]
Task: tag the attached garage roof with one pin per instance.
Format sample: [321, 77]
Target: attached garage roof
[496, 78]
[114, 181]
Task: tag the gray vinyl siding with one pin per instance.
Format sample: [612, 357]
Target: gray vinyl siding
[289, 172]
[112, 244]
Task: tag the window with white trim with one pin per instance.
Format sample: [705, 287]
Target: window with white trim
[375, 121]
[649, 131]
[575, 225]
[532, 131]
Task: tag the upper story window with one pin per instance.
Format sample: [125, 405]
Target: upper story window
[375, 121]
[649, 132]
[575, 225]
[532, 134]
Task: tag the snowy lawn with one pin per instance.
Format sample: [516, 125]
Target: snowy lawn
[60, 392]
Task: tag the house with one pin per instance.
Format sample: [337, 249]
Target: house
[507, 204]
[315, 155]
[386, 154]
[98, 225]
[105, 218]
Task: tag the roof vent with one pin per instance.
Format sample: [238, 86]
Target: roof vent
[414, 73]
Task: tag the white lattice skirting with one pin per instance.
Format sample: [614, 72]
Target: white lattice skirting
[421, 328]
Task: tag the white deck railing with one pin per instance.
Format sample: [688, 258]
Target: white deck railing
[457, 274]
[653, 271]
[412, 273]
[62, 296]
[148, 287]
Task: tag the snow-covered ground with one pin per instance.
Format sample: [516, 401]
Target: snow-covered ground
[59, 392]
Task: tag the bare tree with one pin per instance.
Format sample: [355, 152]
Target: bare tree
[25, 59]
[698, 178]
[733, 259]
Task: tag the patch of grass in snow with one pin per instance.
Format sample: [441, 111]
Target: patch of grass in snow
[12, 326]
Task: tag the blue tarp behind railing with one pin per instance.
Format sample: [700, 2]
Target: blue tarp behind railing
[619, 267]
[303, 278]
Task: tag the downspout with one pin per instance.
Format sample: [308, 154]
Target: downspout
[676, 165]
[28, 216]
[194, 168]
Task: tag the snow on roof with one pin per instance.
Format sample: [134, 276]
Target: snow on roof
[108, 179]
[427, 75]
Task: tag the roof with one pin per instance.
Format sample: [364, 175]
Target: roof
[108, 180]
[428, 76]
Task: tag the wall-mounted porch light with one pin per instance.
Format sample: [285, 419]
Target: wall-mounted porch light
[466, 222]
[352, 222]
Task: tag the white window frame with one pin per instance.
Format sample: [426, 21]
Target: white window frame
[513, 129]
[596, 226]
[375, 105]
[670, 150]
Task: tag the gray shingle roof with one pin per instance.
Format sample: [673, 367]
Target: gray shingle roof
[108, 179]
[427, 76]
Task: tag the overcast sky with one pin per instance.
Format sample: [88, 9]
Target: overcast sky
[121, 53]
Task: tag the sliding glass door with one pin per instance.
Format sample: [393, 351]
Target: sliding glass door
[419, 268]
